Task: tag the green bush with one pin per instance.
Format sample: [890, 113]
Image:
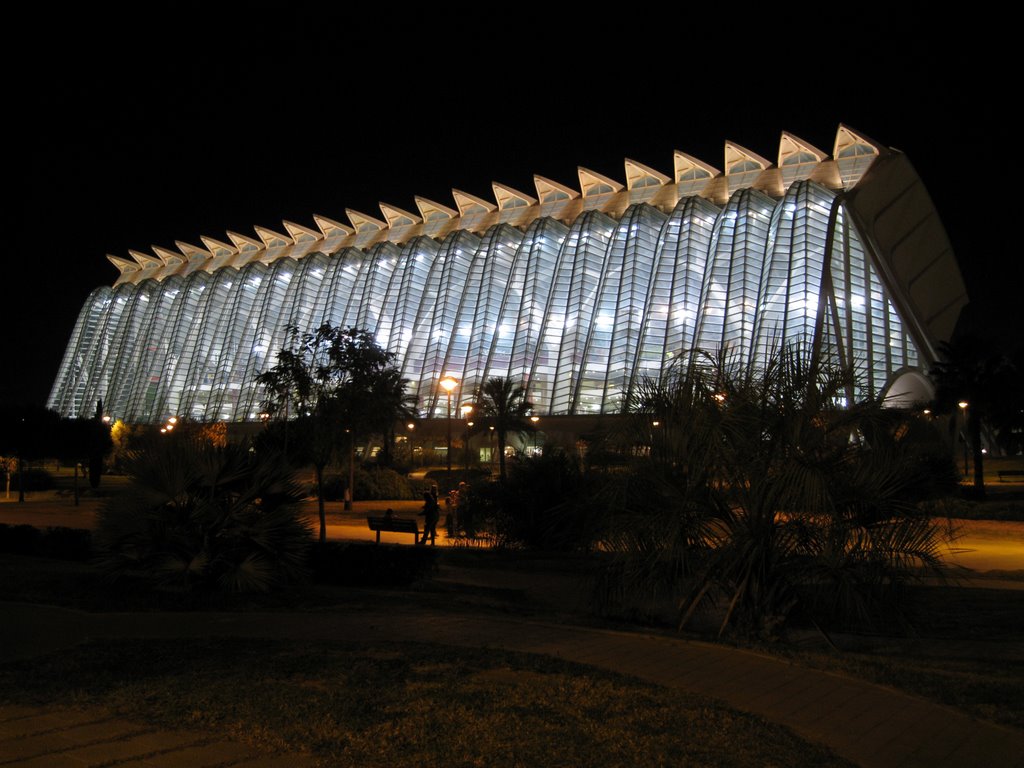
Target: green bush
[57, 542]
[35, 479]
[543, 505]
[370, 565]
[372, 484]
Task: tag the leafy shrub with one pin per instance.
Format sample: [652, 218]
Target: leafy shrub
[370, 565]
[544, 505]
[381, 483]
[204, 517]
[35, 479]
[56, 542]
[20, 539]
[372, 484]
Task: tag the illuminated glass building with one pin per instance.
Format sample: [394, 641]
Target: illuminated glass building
[577, 293]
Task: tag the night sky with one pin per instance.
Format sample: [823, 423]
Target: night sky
[188, 127]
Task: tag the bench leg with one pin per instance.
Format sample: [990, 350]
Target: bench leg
[378, 537]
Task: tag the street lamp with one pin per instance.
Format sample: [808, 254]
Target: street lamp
[534, 420]
[448, 384]
[963, 414]
[466, 409]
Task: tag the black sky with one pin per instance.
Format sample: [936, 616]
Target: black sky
[186, 127]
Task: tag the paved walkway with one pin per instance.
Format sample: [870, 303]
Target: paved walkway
[868, 724]
[76, 737]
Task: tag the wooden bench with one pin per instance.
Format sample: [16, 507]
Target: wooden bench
[1005, 473]
[394, 525]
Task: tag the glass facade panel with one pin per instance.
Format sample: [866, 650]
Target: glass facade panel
[578, 311]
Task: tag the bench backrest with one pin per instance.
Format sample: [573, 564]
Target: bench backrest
[395, 524]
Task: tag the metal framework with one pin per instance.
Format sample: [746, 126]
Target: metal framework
[577, 294]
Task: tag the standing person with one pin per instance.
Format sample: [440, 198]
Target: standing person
[431, 513]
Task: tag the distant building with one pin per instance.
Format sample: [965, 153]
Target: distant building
[578, 293]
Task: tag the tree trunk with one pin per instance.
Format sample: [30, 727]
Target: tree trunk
[320, 501]
[351, 473]
[385, 449]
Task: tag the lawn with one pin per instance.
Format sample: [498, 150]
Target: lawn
[406, 704]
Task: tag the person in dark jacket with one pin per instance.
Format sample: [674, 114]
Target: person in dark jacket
[431, 512]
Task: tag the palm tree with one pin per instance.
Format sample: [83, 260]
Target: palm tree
[503, 406]
[770, 496]
[392, 403]
[202, 516]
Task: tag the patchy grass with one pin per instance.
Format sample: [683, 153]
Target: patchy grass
[991, 689]
[968, 652]
[406, 704]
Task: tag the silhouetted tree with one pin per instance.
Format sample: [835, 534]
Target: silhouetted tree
[338, 384]
[760, 489]
[502, 404]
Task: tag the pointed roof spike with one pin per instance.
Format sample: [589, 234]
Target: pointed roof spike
[243, 243]
[470, 204]
[847, 137]
[689, 168]
[593, 183]
[792, 148]
[330, 227]
[123, 265]
[144, 259]
[301, 234]
[362, 221]
[271, 238]
[168, 256]
[430, 210]
[551, 191]
[217, 248]
[735, 155]
[192, 251]
[508, 197]
[396, 217]
[640, 175]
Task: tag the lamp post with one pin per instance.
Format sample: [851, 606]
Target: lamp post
[466, 410]
[448, 384]
[534, 420]
[963, 416]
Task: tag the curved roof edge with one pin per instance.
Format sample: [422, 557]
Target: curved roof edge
[895, 213]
